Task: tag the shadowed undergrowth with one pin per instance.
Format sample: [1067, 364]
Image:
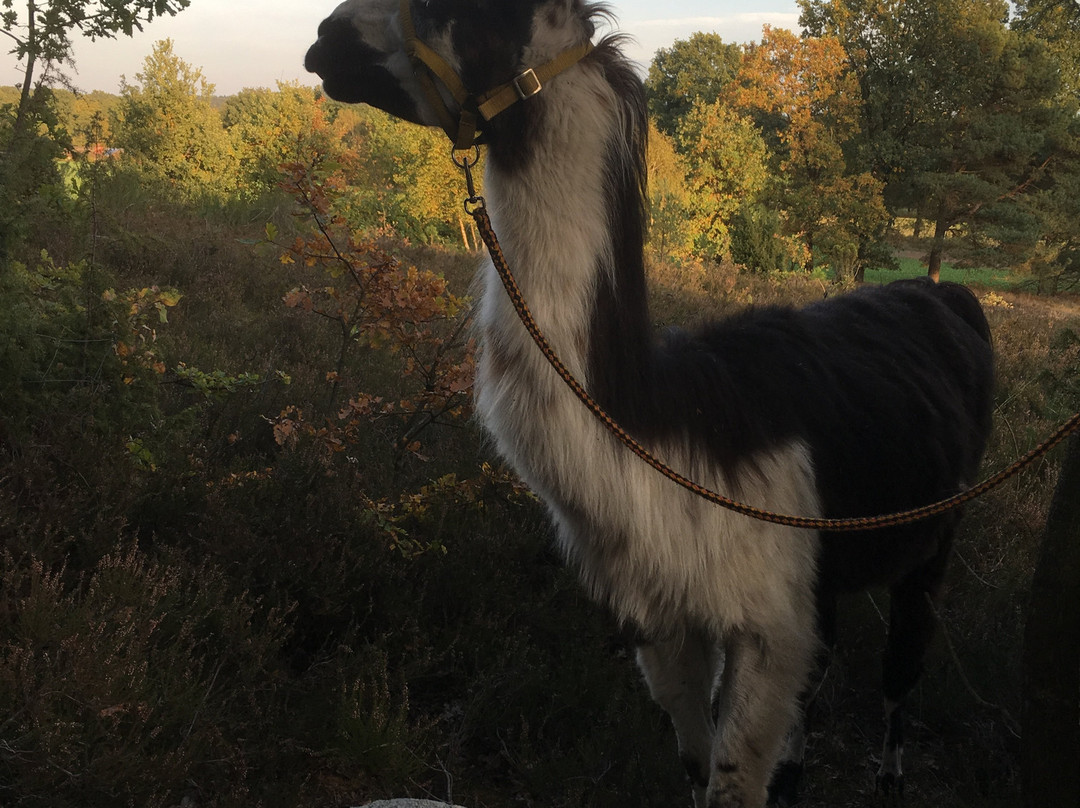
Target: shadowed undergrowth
[203, 599]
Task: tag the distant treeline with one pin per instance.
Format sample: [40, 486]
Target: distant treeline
[797, 152]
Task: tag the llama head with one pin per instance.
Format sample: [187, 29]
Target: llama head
[365, 53]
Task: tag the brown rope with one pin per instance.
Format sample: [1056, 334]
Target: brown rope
[475, 207]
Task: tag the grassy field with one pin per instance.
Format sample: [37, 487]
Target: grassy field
[979, 276]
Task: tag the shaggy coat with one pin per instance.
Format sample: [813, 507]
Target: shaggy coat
[867, 403]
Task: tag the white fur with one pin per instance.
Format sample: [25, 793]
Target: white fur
[670, 563]
[719, 598]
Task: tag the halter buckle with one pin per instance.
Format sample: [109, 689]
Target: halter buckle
[527, 84]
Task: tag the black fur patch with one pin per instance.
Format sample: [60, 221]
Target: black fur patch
[352, 72]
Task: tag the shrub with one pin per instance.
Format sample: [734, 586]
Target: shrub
[755, 240]
[156, 662]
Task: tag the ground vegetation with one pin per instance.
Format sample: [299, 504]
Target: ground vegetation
[254, 551]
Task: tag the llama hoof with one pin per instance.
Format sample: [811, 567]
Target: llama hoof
[889, 789]
[784, 788]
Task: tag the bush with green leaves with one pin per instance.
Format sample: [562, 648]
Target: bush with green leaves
[75, 353]
[756, 240]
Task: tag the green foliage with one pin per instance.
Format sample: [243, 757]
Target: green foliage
[407, 178]
[726, 159]
[168, 127]
[72, 346]
[219, 384]
[269, 128]
[958, 115]
[1058, 26]
[29, 180]
[691, 72]
[756, 241]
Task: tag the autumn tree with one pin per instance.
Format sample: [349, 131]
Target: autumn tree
[382, 307]
[40, 31]
[166, 123]
[270, 128]
[670, 235]
[692, 71]
[805, 100]
[726, 168]
[957, 111]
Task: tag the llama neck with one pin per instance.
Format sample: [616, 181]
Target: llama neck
[565, 184]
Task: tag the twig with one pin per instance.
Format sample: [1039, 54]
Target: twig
[877, 609]
[974, 574]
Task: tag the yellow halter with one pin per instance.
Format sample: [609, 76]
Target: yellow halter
[464, 131]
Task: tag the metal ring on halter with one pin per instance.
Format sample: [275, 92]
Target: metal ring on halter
[465, 164]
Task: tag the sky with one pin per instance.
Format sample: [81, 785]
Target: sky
[256, 43]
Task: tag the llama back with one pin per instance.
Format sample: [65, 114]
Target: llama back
[938, 357]
[890, 388]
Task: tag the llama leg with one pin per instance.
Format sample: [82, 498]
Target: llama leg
[681, 675]
[784, 789]
[758, 705]
[911, 628]
[785, 785]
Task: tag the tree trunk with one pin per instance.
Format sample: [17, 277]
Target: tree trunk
[941, 227]
[1050, 765]
[464, 235]
[28, 76]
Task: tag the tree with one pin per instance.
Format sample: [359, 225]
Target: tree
[41, 31]
[1057, 198]
[726, 160]
[167, 124]
[409, 179]
[690, 72]
[956, 114]
[27, 165]
[1057, 24]
[669, 201]
[290, 125]
[805, 99]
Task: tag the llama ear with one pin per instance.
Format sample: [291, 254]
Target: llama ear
[563, 13]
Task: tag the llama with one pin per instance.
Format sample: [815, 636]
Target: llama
[865, 403]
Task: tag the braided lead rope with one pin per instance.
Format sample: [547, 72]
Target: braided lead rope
[475, 207]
